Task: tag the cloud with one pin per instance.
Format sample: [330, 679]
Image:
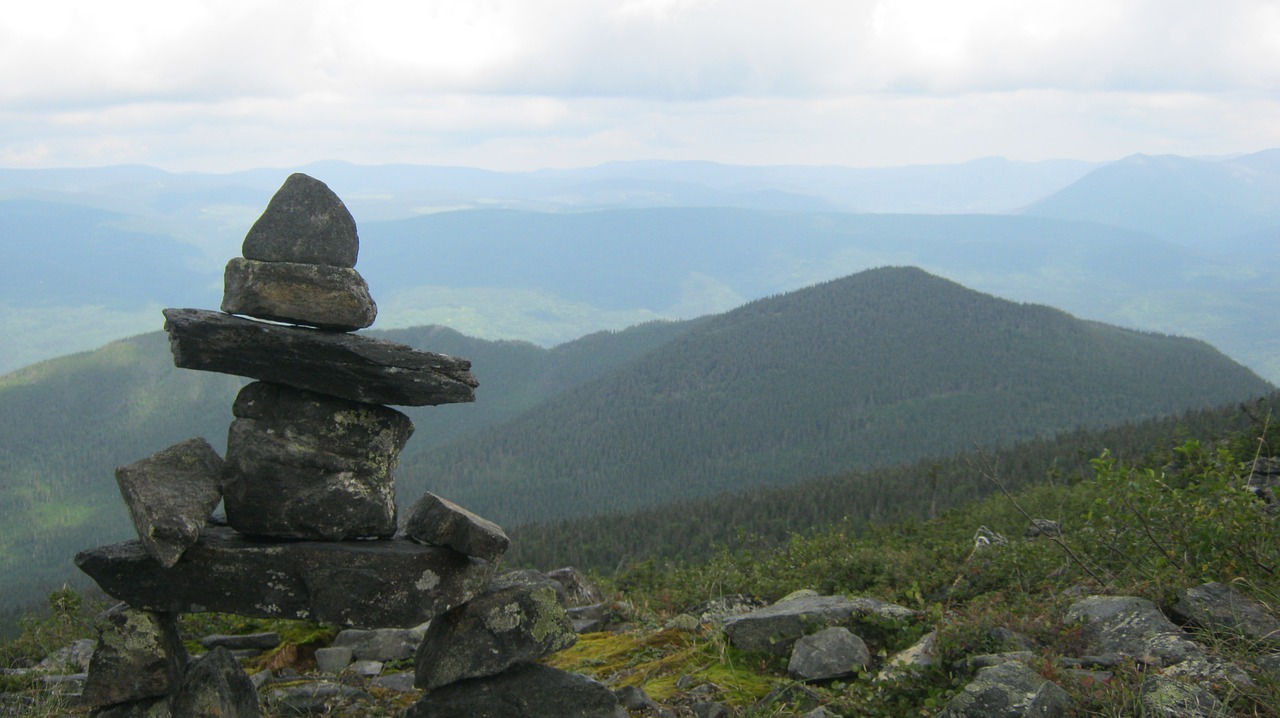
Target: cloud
[513, 83]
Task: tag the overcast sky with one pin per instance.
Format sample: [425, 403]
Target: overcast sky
[222, 85]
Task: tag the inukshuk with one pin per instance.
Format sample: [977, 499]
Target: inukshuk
[308, 478]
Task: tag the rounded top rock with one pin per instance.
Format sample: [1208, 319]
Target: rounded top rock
[305, 222]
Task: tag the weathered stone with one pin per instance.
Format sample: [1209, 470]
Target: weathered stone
[368, 584]
[633, 698]
[367, 669]
[1008, 690]
[348, 366]
[139, 655]
[1133, 627]
[596, 617]
[248, 641]
[1160, 696]
[911, 660]
[774, 629]
[304, 222]
[305, 465]
[829, 653]
[525, 691]
[315, 697]
[331, 298]
[74, 657]
[401, 682]
[440, 522]
[170, 495]
[333, 659]
[216, 687]
[1218, 608]
[518, 619]
[383, 644]
[578, 591]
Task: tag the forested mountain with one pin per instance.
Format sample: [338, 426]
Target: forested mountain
[875, 368]
[884, 366]
[687, 530]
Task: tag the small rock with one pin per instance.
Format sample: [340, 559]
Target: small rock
[577, 590]
[920, 655]
[333, 659]
[633, 698]
[518, 619]
[401, 681]
[170, 495]
[139, 655]
[216, 687]
[368, 669]
[830, 653]
[440, 522]
[75, 656]
[382, 644]
[1131, 627]
[304, 222]
[145, 708]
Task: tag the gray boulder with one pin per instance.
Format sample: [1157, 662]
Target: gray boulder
[578, 591]
[526, 691]
[382, 644]
[139, 655]
[304, 222]
[1220, 609]
[774, 629]
[440, 522]
[830, 653]
[518, 619]
[314, 697]
[1160, 696]
[331, 298]
[216, 687]
[74, 657]
[1132, 627]
[368, 584]
[306, 465]
[333, 659]
[348, 366]
[920, 655]
[1008, 690]
[170, 495]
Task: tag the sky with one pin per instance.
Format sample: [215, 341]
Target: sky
[225, 85]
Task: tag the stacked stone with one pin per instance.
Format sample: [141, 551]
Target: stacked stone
[310, 464]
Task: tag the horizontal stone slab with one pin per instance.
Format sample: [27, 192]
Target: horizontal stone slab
[364, 584]
[347, 366]
[335, 298]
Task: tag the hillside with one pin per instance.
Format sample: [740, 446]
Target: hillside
[884, 366]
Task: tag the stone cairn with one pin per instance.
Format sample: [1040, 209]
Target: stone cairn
[311, 529]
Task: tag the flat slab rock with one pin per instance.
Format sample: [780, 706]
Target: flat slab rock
[339, 364]
[366, 584]
[441, 522]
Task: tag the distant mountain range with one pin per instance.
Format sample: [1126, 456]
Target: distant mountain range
[875, 368]
[1167, 244]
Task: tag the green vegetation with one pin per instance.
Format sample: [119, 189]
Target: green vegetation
[1174, 512]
